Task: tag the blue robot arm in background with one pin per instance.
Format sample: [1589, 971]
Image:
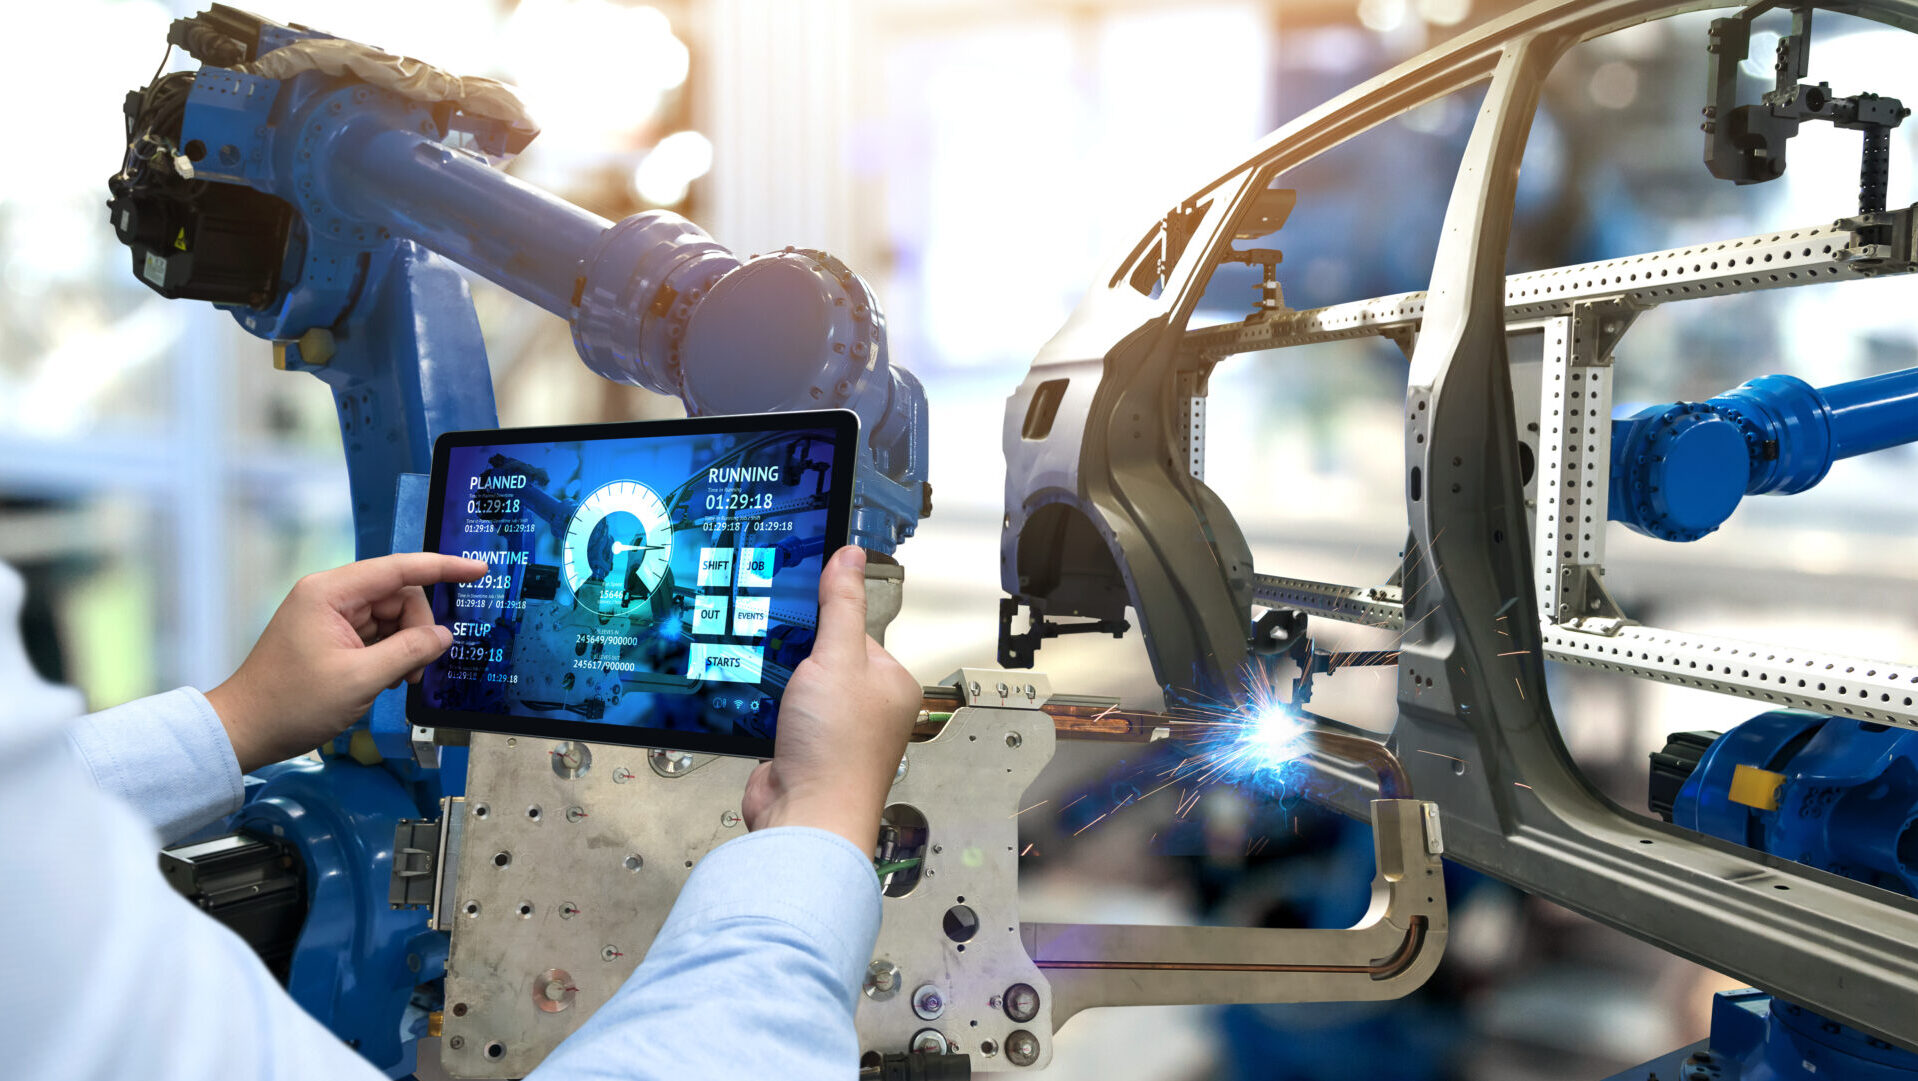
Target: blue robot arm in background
[1679, 470]
[317, 189]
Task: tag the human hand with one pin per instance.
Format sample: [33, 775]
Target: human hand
[339, 638]
[843, 722]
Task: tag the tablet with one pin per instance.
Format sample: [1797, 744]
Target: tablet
[651, 583]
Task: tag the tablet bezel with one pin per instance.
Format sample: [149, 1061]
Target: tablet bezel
[843, 424]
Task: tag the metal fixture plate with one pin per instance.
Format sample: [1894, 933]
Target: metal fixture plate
[966, 781]
[498, 957]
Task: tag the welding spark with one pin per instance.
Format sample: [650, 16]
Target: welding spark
[1257, 745]
[1271, 738]
[1091, 824]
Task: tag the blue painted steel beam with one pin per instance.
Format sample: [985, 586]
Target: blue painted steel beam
[1680, 470]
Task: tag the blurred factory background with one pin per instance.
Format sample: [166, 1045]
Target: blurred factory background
[981, 162]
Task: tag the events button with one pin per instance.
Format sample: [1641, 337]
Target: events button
[750, 615]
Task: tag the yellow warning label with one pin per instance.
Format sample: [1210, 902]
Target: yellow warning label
[1754, 787]
[180, 241]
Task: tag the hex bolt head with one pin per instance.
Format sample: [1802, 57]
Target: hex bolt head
[929, 1041]
[927, 1002]
[1022, 1048]
[1022, 1002]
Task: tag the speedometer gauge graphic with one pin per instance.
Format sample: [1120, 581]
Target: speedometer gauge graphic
[618, 549]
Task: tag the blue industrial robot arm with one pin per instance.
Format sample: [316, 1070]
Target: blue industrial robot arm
[369, 151]
[1835, 793]
[1679, 470]
[652, 300]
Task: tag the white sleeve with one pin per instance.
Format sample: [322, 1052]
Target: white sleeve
[110, 973]
[167, 756]
[756, 973]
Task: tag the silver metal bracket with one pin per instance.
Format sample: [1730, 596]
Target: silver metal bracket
[422, 851]
[1898, 251]
[1597, 326]
[1434, 832]
[999, 689]
[425, 747]
[416, 845]
[1583, 588]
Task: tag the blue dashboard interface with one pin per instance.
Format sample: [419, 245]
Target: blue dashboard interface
[665, 582]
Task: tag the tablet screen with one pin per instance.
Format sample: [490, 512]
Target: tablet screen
[652, 583]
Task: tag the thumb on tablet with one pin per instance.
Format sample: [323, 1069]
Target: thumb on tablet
[842, 607]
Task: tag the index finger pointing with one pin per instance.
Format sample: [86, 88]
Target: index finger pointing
[370, 579]
[842, 608]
